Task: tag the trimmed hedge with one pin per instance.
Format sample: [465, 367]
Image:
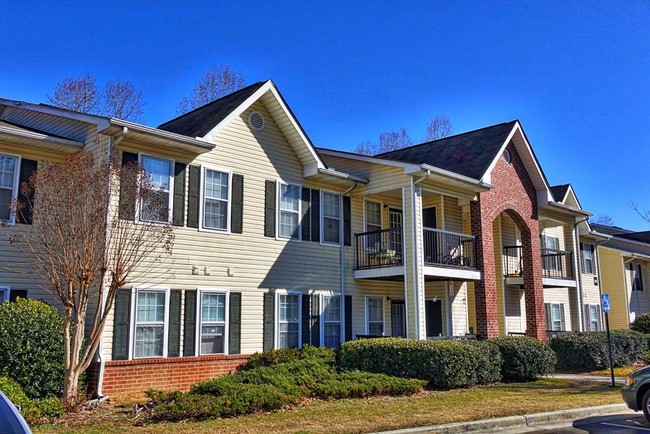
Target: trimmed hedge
[33, 410]
[31, 346]
[270, 388]
[285, 355]
[641, 324]
[587, 351]
[444, 364]
[524, 358]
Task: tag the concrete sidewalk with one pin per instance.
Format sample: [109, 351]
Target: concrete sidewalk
[529, 420]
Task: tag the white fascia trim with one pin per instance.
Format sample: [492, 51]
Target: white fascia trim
[455, 176]
[202, 228]
[102, 122]
[569, 209]
[199, 319]
[342, 175]
[408, 167]
[200, 142]
[23, 134]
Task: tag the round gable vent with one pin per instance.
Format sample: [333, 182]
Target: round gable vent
[506, 156]
[256, 121]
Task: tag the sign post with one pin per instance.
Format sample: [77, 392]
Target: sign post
[604, 304]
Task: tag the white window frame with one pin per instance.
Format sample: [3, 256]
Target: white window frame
[6, 290]
[278, 216]
[552, 321]
[277, 316]
[14, 191]
[134, 308]
[553, 263]
[202, 226]
[323, 216]
[199, 316]
[365, 220]
[587, 248]
[138, 210]
[383, 314]
[322, 315]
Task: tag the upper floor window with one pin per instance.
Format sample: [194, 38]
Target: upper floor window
[289, 211]
[8, 185]
[588, 258]
[635, 276]
[288, 321]
[331, 217]
[216, 199]
[150, 323]
[213, 322]
[550, 252]
[157, 208]
[373, 216]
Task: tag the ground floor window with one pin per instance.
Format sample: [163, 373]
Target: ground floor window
[213, 322]
[375, 315]
[4, 293]
[331, 321]
[554, 316]
[594, 317]
[289, 321]
[150, 324]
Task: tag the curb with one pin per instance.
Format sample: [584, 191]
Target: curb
[511, 422]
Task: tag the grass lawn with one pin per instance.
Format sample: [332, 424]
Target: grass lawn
[362, 415]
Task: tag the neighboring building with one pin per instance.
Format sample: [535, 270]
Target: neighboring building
[280, 244]
[625, 263]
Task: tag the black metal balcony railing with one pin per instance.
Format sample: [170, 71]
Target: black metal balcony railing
[448, 248]
[556, 264]
[379, 248]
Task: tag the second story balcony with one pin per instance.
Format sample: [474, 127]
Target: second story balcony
[557, 265]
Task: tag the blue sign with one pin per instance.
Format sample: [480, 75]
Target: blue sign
[604, 303]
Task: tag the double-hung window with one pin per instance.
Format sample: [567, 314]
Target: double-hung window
[594, 317]
[289, 321]
[213, 322]
[289, 210]
[554, 316]
[4, 293]
[375, 315]
[216, 199]
[331, 321]
[588, 258]
[331, 217]
[635, 276]
[373, 223]
[150, 324]
[156, 204]
[8, 186]
[550, 252]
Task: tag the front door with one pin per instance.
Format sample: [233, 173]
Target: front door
[398, 318]
[433, 317]
[431, 239]
[395, 222]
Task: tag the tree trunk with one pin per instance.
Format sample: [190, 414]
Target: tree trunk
[71, 388]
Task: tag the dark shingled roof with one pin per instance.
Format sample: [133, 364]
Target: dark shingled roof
[643, 237]
[200, 121]
[560, 191]
[469, 154]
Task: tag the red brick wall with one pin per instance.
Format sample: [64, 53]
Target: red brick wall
[513, 193]
[178, 373]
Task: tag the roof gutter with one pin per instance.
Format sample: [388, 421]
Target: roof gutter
[565, 208]
[159, 133]
[433, 170]
[342, 175]
[41, 137]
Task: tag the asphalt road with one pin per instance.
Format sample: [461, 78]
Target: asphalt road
[623, 423]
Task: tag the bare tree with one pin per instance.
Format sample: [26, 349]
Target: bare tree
[644, 212]
[387, 141]
[604, 219]
[83, 251]
[78, 94]
[122, 100]
[217, 82]
[439, 127]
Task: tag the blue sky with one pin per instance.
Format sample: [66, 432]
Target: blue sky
[574, 73]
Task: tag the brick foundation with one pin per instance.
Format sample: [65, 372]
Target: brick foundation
[179, 373]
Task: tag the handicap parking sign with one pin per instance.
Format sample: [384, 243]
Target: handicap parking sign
[604, 302]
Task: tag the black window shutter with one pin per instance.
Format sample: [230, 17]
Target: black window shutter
[178, 213]
[315, 215]
[587, 319]
[15, 293]
[24, 214]
[237, 216]
[269, 209]
[315, 320]
[305, 320]
[547, 309]
[234, 324]
[269, 322]
[122, 318]
[193, 197]
[348, 318]
[305, 221]
[347, 221]
[174, 338]
[127, 204]
[189, 324]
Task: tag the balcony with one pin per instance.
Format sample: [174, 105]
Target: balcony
[448, 248]
[377, 249]
[557, 266]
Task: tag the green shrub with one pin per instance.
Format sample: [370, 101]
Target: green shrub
[33, 410]
[14, 392]
[445, 364]
[641, 324]
[31, 346]
[285, 355]
[587, 351]
[524, 358]
[358, 384]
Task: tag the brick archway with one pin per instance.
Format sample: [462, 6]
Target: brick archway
[513, 193]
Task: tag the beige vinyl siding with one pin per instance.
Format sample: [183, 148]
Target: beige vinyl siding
[453, 214]
[613, 283]
[257, 263]
[459, 308]
[557, 231]
[515, 310]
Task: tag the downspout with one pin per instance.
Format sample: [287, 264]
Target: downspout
[416, 258]
[342, 244]
[577, 266]
[100, 347]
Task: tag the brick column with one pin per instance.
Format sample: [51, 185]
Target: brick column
[533, 285]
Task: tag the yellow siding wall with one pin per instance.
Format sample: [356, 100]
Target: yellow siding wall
[613, 283]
